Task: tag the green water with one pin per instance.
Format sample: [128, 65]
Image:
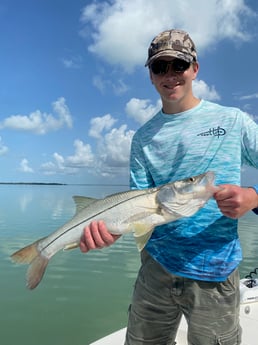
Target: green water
[82, 296]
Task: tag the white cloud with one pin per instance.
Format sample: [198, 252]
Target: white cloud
[247, 97]
[122, 29]
[114, 150]
[3, 149]
[202, 90]
[82, 157]
[57, 166]
[73, 62]
[100, 83]
[63, 112]
[141, 110]
[49, 168]
[99, 124]
[118, 87]
[38, 122]
[24, 166]
[109, 159]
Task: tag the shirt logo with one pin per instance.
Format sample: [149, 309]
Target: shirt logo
[215, 132]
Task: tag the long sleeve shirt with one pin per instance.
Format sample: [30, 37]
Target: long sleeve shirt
[171, 147]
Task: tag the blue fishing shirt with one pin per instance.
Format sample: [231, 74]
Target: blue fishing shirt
[173, 147]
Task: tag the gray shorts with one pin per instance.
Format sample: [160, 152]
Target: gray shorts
[160, 299]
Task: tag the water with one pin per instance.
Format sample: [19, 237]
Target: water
[82, 296]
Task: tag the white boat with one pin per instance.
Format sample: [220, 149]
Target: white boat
[248, 318]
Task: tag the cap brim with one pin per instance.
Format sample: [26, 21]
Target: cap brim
[169, 53]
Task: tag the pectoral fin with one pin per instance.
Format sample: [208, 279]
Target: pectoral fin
[142, 234]
[71, 246]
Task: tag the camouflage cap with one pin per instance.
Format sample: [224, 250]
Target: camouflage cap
[174, 43]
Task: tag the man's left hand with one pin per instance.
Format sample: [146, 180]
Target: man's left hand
[234, 201]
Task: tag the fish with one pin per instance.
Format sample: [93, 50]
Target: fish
[136, 211]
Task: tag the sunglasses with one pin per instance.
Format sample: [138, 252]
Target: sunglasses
[162, 66]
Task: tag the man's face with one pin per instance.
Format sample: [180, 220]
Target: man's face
[173, 78]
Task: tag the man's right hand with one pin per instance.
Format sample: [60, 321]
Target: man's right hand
[96, 236]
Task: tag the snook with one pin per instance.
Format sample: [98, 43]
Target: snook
[138, 211]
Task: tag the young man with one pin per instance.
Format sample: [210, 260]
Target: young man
[188, 266]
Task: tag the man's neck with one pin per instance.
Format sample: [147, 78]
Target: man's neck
[179, 107]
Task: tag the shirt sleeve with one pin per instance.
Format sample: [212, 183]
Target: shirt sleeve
[250, 141]
[250, 145]
[255, 210]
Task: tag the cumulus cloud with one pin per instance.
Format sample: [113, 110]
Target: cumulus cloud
[99, 124]
[110, 157]
[3, 149]
[82, 156]
[114, 150]
[57, 166]
[24, 166]
[202, 90]
[122, 29]
[141, 110]
[39, 122]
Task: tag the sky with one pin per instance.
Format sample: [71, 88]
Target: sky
[74, 89]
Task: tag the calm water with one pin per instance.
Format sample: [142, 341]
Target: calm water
[82, 296]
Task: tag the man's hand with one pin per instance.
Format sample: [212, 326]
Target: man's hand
[234, 201]
[96, 236]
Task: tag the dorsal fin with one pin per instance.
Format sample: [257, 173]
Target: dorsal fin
[82, 202]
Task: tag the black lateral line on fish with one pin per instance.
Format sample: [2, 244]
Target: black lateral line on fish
[108, 208]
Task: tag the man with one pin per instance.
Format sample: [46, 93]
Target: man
[188, 266]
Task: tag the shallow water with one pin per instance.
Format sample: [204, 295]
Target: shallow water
[82, 297]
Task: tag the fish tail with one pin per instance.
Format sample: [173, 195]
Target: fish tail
[38, 263]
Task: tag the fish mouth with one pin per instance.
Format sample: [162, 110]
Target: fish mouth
[207, 179]
[210, 176]
[205, 185]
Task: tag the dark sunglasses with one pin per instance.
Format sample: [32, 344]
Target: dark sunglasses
[162, 66]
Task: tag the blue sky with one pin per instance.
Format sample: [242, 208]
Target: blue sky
[74, 87]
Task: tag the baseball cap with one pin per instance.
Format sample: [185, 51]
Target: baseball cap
[174, 43]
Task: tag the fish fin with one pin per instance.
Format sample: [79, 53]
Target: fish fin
[36, 271]
[38, 263]
[71, 246]
[27, 254]
[142, 234]
[82, 202]
[142, 240]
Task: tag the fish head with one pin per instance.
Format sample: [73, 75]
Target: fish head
[185, 197]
